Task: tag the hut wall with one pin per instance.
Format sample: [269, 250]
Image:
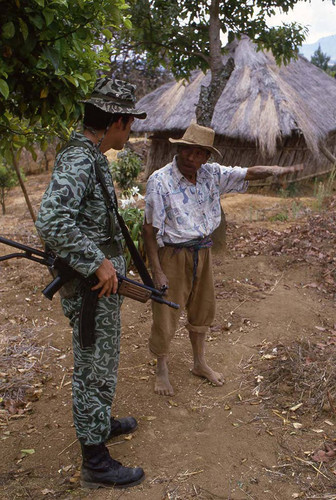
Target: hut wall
[291, 151]
[161, 152]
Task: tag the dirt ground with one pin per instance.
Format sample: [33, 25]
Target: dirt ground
[274, 338]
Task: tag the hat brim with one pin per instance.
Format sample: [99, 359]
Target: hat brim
[110, 107]
[211, 149]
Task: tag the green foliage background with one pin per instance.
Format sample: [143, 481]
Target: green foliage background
[126, 168]
[175, 33]
[133, 217]
[50, 51]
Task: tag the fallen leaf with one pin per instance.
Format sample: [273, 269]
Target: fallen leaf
[28, 452]
[297, 425]
[296, 407]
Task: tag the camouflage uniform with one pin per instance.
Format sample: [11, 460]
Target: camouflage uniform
[74, 221]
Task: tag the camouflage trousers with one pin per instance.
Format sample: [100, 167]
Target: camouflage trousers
[95, 368]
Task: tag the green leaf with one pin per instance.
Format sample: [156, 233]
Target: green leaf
[8, 30]
[107, 33]
[72, 80]
[41, 64]
[53, 56]
[28, 452]
[48, 15]
[66, 103]
[128, 24]
[37, 20]
[40, 2]
[44, 93]
[32, 151]
[23, 28]
[4, 89]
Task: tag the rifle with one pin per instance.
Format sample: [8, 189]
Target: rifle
[65, 273]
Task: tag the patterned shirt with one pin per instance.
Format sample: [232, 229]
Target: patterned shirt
[73, 217]
[182, 211]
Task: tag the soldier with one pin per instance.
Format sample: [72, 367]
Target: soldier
[76, 223]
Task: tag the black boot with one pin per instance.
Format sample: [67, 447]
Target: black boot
[100, 470]
[124, 425]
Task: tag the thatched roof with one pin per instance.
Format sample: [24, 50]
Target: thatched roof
[261, 102]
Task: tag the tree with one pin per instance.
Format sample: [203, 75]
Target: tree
[184, 35]
[136, 68]
[50, 52]
[320, 59]
[8, 179]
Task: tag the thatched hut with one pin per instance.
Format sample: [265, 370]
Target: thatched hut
[266, 114]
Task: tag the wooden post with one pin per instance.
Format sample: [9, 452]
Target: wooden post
[328, 154]
[23, 187]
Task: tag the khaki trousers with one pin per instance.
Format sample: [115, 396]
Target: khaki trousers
[197, 297]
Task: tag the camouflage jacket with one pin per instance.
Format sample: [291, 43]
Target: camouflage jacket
[73, 218]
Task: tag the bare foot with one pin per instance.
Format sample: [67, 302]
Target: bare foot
[201, 369]
[162, 385]
[206, 372]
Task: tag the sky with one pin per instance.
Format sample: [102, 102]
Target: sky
[319, 16]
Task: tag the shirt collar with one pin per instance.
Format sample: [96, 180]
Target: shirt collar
[79, 136]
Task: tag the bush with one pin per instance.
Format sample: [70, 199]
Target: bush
[126, 169]
[133, 217]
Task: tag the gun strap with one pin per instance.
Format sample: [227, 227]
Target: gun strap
[137, 259]
[110, 202]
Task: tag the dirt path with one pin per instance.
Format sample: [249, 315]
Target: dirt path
[253, 438]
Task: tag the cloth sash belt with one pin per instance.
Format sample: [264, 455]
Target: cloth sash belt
[193, 246]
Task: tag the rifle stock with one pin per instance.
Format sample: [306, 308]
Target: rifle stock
[65, 273]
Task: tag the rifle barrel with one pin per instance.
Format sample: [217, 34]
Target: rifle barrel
[24, 248]
[163, 301]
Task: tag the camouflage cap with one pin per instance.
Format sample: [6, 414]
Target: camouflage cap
[115, 96]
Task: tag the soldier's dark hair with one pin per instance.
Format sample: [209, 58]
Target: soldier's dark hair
[98, 119]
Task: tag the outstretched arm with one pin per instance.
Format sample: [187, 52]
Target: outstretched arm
[152, 250]
[262, 172]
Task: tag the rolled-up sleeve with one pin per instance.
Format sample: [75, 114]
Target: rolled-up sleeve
[231, 179]
[56, 220]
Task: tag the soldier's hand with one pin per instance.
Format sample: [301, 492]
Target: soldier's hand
[108, 281]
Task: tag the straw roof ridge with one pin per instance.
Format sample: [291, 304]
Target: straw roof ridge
[262, 102]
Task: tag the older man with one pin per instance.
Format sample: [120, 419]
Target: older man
[182, 211]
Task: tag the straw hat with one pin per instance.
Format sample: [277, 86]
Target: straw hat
[196, 135]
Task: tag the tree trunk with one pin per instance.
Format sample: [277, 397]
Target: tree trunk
[2, 200]
[209, 96]
[23, 187]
